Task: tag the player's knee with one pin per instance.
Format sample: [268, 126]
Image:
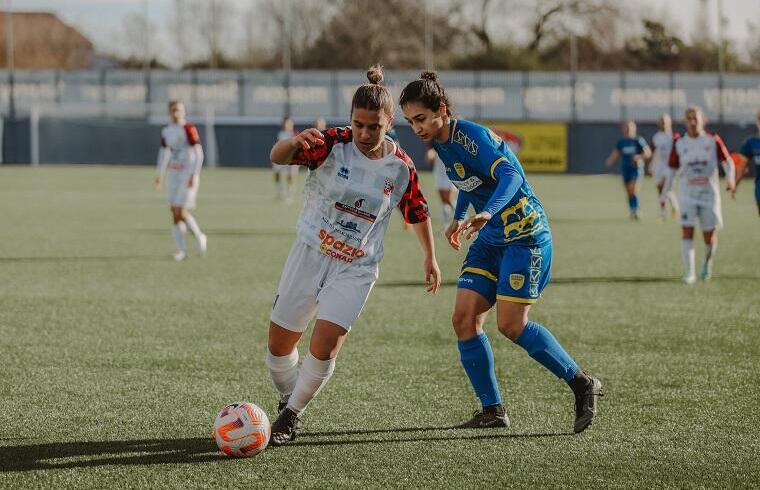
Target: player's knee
[512, 327]
[465, 324]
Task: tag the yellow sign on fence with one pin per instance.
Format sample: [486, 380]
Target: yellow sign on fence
[540, 147]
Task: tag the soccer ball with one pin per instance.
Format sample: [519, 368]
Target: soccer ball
[241, 430]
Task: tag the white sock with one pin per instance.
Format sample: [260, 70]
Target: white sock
[673, 201]
[192, 225]
[447, 211]
[178, 232]
[312, 377]
[687, 254]
[284, 372]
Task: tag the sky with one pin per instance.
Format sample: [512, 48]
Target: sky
[101, 20]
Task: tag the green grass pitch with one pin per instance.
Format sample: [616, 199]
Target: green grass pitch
[115, 360]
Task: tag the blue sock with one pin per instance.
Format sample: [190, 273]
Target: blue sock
[544, 348]
[477, 359]
[633, 202]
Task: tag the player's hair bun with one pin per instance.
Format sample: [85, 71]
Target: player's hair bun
[375, 74]
[429, 75]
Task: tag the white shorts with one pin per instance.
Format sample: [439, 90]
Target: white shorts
[312, 283]
[659, 172]
[442, 181]
[285, 169]
[708, 213]
[177, 192]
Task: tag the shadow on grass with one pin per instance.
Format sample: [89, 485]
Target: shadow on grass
[107, 453]
[583, 280]
[450, 435]
[203, 449]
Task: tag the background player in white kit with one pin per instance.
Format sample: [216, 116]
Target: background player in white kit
[180, 159]
[695, 158]
[358, 176]
[446, 190]
[284, 175]
[662, 145]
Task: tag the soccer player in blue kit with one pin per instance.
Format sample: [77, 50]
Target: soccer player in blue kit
[633, 150]
[508, 264]
[751, 150]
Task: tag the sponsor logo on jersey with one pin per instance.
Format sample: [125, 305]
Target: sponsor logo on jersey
[468, 143]
[355, 211]
[358, 203]
[343, 172]
[389, 186]
[348, 225]
[459, 169]
[468, 185]
[516, 281]
[337, 249]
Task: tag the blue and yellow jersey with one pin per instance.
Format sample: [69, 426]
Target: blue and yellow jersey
[751, 150]
[629, 148]
[472, 156]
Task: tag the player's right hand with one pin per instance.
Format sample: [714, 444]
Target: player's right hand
[308, 138]
[452, 234]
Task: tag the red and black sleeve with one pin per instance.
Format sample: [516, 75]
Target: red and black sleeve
[674, 161]
[413, 205]
[314, 157]
[193, 138]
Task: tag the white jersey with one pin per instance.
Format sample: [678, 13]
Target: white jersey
[696, 162]
[349, 198]
[662, 146]
[180, 139]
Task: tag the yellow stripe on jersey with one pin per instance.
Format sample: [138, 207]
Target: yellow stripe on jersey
[515, 299]
[496, 162]
[481, 272]
[453, 130]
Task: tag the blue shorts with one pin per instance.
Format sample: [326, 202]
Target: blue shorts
[757, 191]
[517, 273]
[630, 174]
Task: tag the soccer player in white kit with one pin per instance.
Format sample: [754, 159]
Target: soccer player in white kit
[695, 159]
[446, 190]
[180, 159]
[358, 176]
[662, 145]
[284, 175]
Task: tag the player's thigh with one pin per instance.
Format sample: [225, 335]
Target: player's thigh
[689, 213]
[296, 299]
[344, 293]
[327, 340]
[710, 216]
[476, 288]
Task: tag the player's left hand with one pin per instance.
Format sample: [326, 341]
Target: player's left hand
[191, 181]
[474, 223]
[432, 275]
[731, 187]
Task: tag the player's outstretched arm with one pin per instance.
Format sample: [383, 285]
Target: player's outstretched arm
[424, 231]
[164, 154]
[283, 151]
[730, 170]
[614, 155]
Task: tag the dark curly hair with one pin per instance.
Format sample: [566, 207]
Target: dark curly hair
[426, 90]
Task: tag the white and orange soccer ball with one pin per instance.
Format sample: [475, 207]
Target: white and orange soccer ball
[242, 430]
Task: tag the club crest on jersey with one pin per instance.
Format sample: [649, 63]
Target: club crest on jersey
[468, 143]
[516, 281]
[343, 172]
[389, 186]
[459, 169]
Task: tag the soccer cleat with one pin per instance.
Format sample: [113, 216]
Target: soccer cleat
[179, 256]
[706, 273]
[487, 418]
[690, 279]
[285, 428]
[585, 404]
[202, 243]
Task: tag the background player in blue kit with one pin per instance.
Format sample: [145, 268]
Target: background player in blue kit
[510, 261]
[632, 150]
[751, 150]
